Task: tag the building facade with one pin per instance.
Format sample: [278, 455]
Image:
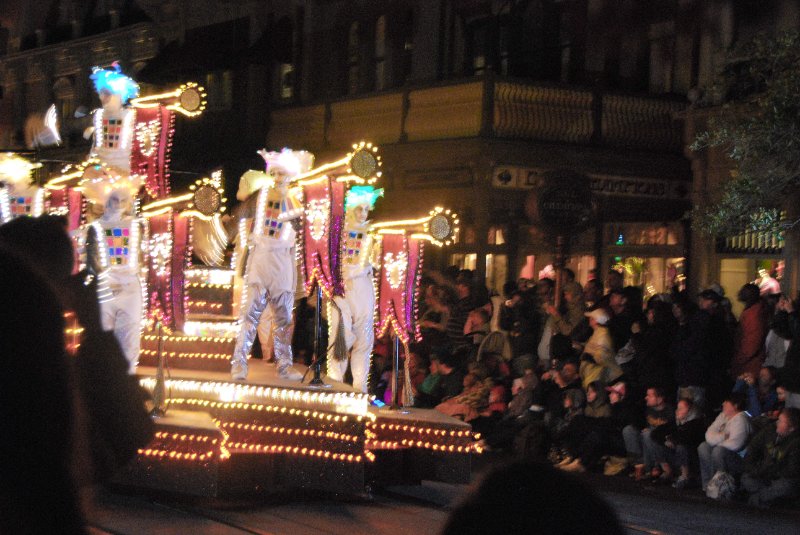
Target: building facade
[471, 101]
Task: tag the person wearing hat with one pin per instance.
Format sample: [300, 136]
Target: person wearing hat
[116, 258]
[271, 272]
[597, 361]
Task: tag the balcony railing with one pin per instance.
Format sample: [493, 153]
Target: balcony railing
[485, 107]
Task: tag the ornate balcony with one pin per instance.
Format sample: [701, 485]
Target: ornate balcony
[488, 107]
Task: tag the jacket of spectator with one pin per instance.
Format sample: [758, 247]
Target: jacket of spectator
[730, 433]
[749, 352]
[770, 456]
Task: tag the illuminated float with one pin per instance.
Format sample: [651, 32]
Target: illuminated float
[272, 432]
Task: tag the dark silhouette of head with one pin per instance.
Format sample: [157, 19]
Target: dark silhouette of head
[525, 497]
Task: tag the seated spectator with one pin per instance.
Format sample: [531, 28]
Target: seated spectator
[571, 437]
[658, 413]
[597, 361]
[477, 327]
[474, 397]
[450, 383]
[725, 440]
[417, 367]
[772, 463]
[429, 383]
[598, 436]
[761, 394]
[501, 503]
[680, 440]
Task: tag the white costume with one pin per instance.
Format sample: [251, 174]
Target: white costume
[356, 309]
[18, 197]
[271, 274]
[114, 123]
[119, 237]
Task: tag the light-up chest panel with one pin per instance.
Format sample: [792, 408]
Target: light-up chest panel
[117, 245]
[272, 225]
[357, 244]
[20, 206]
[112, 132]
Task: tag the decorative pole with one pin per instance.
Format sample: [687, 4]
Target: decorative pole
[159, 392]
[317, 364]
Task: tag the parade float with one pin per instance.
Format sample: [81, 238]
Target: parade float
[260, 431]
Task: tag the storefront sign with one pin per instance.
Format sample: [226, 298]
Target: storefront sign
[510, 177]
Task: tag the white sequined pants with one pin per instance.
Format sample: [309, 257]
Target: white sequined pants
[357, 314]
[270, 281]
[123, 314]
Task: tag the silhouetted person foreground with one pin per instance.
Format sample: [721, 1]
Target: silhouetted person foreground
[523, 497]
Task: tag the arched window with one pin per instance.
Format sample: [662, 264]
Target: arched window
[353, 58]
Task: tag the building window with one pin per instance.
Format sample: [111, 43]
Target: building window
[653, 275]
[219, 90]
[286, 77]
[64, 94]
[380, 53]
[353, 59]
[662, 44]
[464, 261]
[496, 272]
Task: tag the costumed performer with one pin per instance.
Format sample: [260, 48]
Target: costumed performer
[352, 316]
[271, 273]
[118, 235]
[114, 123]
[18, 197]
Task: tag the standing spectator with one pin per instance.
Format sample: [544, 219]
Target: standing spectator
[516, 317]
[592, 293]
[652, 363]
[772, 464]
[622, 317]
[545, 289]
[789, 375]
[688, 352]
[459, 312]
[748, 352]
[726, 438]
[597, 361]
[719, 342]
[571, 314]
[434, 320]
[614, 281]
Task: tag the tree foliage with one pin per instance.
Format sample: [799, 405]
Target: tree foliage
[759, 127]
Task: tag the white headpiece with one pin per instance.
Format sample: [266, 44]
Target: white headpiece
[100, 182]
[16, 170]
[289, 162]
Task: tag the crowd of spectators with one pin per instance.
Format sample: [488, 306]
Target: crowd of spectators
[671, 389]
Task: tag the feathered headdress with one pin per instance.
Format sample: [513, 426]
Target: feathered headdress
[115, 82]
[358, 195]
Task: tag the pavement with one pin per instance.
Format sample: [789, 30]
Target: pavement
[420, 509]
